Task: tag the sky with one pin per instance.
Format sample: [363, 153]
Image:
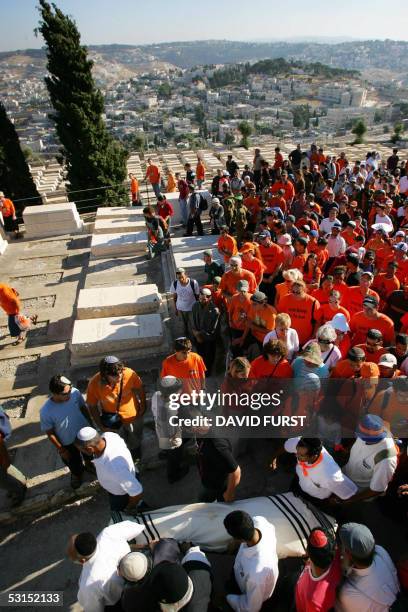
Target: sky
[142, 22]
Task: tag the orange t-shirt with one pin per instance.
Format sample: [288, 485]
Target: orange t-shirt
[256, 267]
[287, 187]
[360, 324]
[402, 272]
[238, 311]
[281, 290]
[322, 257]
[227, 243]
[200, 171]
[353, 299]
[322, 295]
[299, 261]
[190, 370]
[134, 185]
[350, 238]
[230, 279]
[262, 368]
[343, 369]
[7, 208]
[171, 184]
[302, 313]
[272, 257]
[265, 317]
[326, 313]
[153, 174]
[107, 396]
[9, 300]
[385, 286]
[252, 204]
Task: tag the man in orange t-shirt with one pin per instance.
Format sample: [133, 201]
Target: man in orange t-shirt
[227, 245]
[186, 365]
[9, 214]
[238, 309]
[118, 389]
[200, 173]
[153, 174]
[353, 300]
[287, 187]
[229, 280]
[370, 318]
[355, 366]
[387, 282]
[252, 263]
[272, 258]
[134, 189]
[302, 309]
[252, 204]
[260, 319]
[373, 346]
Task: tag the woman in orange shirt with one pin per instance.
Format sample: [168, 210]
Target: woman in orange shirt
[171, 181]
[284, 288]
[311, 272]
[272, 363]
[10, 303]
[329, 310]
[302, 309]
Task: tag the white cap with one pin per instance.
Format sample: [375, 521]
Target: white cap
[133, 566]
[339, 322]
[86, 433]
[236, 259]
[388, 360]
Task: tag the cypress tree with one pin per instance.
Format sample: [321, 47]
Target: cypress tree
[94, 159]
[15, 178]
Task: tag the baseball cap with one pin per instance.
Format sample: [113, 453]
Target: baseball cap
[242, 285]
[258, 297]
[388, 360]
[180, 271]
[264, 234]
[208, 252]
[402, 246]
[371, 428]
[314, 233]
[110, 360]
[291, 218]
[305, 228]
[358, 539]
[235, 260]
[336, 224]
[367, 273]
[217, 279]
[246, 247]
[399, 233]
[285, 239]
[215, 201]
[339, 322]
[351, 224]
[205, 291]
[133, 566]
[370, 300]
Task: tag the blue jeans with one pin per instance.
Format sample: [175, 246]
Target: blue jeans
[156, 189]
[183, 210]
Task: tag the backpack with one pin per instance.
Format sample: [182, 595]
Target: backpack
[191, 287]
[203, 204]
[5, 425]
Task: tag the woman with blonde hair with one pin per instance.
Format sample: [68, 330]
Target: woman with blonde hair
[284, 332]
[284, 288]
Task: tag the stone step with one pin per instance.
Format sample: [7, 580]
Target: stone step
[118, 212]
[118, 300]
[92, 338]
[114, 245]
[51, 220]
[122, 225]
[183, 244]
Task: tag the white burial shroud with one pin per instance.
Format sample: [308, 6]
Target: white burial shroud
[202, 524]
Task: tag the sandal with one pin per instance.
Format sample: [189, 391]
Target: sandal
[18, 341]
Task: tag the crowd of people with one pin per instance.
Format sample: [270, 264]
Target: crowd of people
[310, 288]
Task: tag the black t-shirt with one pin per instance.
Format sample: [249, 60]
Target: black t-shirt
[215, 462]
[296, 157]
[397, 299]
[353, 279]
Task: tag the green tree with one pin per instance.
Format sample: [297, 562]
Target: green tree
[15, 178]
[398, 131]
[359, 130]
[94, 159]
[246, 130]
[378, 116]
[164, 91]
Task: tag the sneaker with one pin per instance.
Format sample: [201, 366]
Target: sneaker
[76, 481]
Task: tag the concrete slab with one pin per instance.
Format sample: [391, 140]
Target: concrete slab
[112, 245]
[107, 336]
[118, 212]
[193, 243]
[120, 225]
[192, 262]
[118, 300]
[173, 198]
[51, 220]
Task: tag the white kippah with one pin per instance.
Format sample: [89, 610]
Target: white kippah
[169, 381]
[133, 566]
[86, 433]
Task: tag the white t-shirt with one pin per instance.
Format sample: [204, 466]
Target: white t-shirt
[403, 184]
[322, 478]
[185, 294]
[372, 589]
[99, 583]
[256, 570]
[336, 246]
[115, 468]
[292, 341]
[326, 225]
[363, 470]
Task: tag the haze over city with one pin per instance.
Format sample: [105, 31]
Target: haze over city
[180, 20]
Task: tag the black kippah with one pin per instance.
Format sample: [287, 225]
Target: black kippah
[85, 544]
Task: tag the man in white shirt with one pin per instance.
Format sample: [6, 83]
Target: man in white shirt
[114, 467]
[373, 459]
[185, 292]
[327, 223]
[320, 478]
[256, 564]
[100, 584]
[336, 245]
[371, 583]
